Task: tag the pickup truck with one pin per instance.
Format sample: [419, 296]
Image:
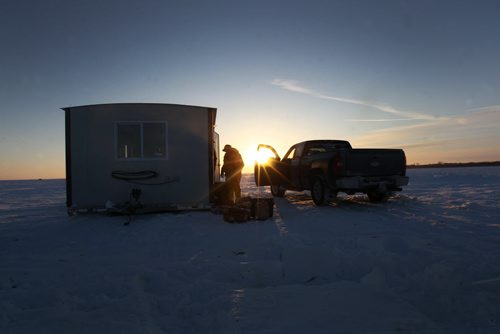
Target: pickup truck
[326, 167]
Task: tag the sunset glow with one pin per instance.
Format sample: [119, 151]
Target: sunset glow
[373, 73]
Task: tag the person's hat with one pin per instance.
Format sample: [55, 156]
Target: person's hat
[226, 148]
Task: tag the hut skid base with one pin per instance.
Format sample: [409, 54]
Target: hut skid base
[126, 210]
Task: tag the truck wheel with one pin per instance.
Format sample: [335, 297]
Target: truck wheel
[319, 192]
[277, 191]
[377, 196]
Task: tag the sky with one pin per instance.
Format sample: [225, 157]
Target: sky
[419, 75]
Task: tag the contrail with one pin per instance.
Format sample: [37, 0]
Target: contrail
[294, 86]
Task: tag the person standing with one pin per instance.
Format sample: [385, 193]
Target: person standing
[231, 170]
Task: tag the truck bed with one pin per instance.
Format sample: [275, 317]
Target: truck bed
[374, 162]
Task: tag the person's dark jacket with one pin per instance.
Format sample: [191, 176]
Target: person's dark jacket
[233, 163]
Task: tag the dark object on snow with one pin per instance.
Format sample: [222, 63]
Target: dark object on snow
[220, 194]
[239, 253]
[262, 208]
[134, 204]
[235, 214]
[249, 208]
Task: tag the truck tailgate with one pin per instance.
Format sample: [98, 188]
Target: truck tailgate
[374, 162]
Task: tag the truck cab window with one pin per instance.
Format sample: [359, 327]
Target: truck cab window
[315, 150]
[291, 153]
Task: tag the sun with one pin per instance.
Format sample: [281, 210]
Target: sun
[262, 156]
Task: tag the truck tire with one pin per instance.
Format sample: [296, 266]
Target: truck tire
[377, 196]
[277, 190]
[319, 191]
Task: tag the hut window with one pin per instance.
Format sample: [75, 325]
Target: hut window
[129, 141]
[141, 140]
[154, 143]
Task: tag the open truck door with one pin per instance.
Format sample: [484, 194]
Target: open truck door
[268, 169]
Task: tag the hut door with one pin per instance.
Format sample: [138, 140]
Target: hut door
[216, 160]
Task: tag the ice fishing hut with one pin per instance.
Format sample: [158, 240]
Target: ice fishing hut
[165, 156]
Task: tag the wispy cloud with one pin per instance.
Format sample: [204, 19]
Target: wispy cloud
[295, 86]
[380, 120]
[479, 119]
[470, 136]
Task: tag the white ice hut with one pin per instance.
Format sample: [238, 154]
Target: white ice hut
[165, 156]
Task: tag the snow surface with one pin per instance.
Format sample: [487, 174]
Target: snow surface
[427, 261]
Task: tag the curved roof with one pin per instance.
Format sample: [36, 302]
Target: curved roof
[132, 103]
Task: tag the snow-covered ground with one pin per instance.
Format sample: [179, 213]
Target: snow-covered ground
[427, 261]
